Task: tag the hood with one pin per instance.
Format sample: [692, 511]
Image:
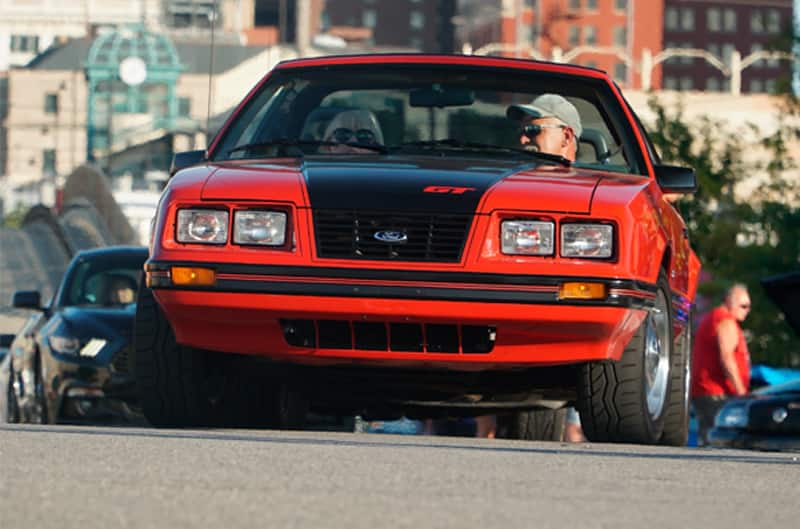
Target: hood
[390, 183]
[111, 324]
[784, 291]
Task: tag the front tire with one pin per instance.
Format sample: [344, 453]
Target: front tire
[627, 401]
[173, 386]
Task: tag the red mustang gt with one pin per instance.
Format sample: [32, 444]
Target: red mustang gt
[391, 234]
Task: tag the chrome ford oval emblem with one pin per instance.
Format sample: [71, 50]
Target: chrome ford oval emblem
[779, 415]
[391, 237]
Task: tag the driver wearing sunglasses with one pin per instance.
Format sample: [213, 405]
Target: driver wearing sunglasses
[351, 128]
[549, 124]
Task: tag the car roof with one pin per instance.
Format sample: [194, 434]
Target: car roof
[487, 61]
[111, 250]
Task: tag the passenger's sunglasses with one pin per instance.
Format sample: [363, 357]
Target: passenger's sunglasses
[345, 135]
[531, 130]
[745, 306]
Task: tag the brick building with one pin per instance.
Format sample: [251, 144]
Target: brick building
[618, 30]
[722, 27]
[417, 24]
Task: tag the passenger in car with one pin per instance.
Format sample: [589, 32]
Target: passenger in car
[120, 290]
[350, 128]
[549, 124]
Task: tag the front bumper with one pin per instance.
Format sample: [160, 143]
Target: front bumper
[732, 438]
[250, 309]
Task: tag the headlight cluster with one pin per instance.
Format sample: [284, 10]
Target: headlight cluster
[734, 415]
[211, 226]
[535, 237]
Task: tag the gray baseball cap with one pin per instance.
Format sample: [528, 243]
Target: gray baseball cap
[547, 105]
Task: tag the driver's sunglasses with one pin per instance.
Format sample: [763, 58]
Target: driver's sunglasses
[531, 130]
[344, 135]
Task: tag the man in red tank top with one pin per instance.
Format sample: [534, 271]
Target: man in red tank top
[720, 359]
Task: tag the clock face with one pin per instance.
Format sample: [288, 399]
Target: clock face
[133, 71]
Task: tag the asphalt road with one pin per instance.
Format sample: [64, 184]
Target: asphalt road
[76, 477]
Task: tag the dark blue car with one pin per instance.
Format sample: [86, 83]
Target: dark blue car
[71, 361]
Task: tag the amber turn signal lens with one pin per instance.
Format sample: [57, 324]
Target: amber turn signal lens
[183, 275]
[582, 291]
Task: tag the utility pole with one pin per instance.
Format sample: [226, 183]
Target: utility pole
[303, 27]
[518, 28]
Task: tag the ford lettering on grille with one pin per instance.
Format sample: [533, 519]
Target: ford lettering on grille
[391, 237]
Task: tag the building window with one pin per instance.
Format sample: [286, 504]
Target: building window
[773, 21]
[727, 51]
[757, 22]
[591, 64]
[756, 86]
[527, 34]
[25, 43]
[671, 18]
[369, 18]
[713, 19]
[184, 106]
[591, 4]
[687, 19]
[574, 4]
[530, 4]
[770, 86]
[686, 84]
[415, 43]
[416, 20]
[574, 35]
[713, 49]
[49, 162]
[589, 35]
[755, 48]
[621, 5]
[670, 83]
[51, 103]
[729, 20]
[620, 36]
[620, 72]
[712, 84]
[685, 59]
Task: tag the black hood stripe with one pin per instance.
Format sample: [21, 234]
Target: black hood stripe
[429, 184]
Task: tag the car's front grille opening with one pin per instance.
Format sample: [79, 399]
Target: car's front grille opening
[390, 336]
[121, 363]
[370, 235]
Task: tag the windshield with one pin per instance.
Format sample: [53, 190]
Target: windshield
[104, 280]
[437, 110]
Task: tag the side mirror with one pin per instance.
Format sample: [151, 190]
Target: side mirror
[675, 179]
[182, 160]
[27, 299]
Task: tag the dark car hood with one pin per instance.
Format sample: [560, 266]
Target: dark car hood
[109, 323]
[454, 185]
[784, 291]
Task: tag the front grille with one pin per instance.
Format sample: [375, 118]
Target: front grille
[347, 234]
[390, 336]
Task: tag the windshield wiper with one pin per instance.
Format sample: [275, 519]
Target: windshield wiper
[286, 142]
[477, 146]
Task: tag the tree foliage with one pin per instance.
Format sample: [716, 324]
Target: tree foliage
[739, 238]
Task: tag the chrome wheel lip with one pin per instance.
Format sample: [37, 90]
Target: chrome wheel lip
[657, 351]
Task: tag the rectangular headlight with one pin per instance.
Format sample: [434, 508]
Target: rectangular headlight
[734, 415]
[267, 228]
[204, 226]
[527, 237]
[593, 241]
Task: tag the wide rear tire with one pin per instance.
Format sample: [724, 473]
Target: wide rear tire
[533, 425]
[627, 401]
[676, 413]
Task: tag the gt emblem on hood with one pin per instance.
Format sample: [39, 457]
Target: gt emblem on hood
[391, 237]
